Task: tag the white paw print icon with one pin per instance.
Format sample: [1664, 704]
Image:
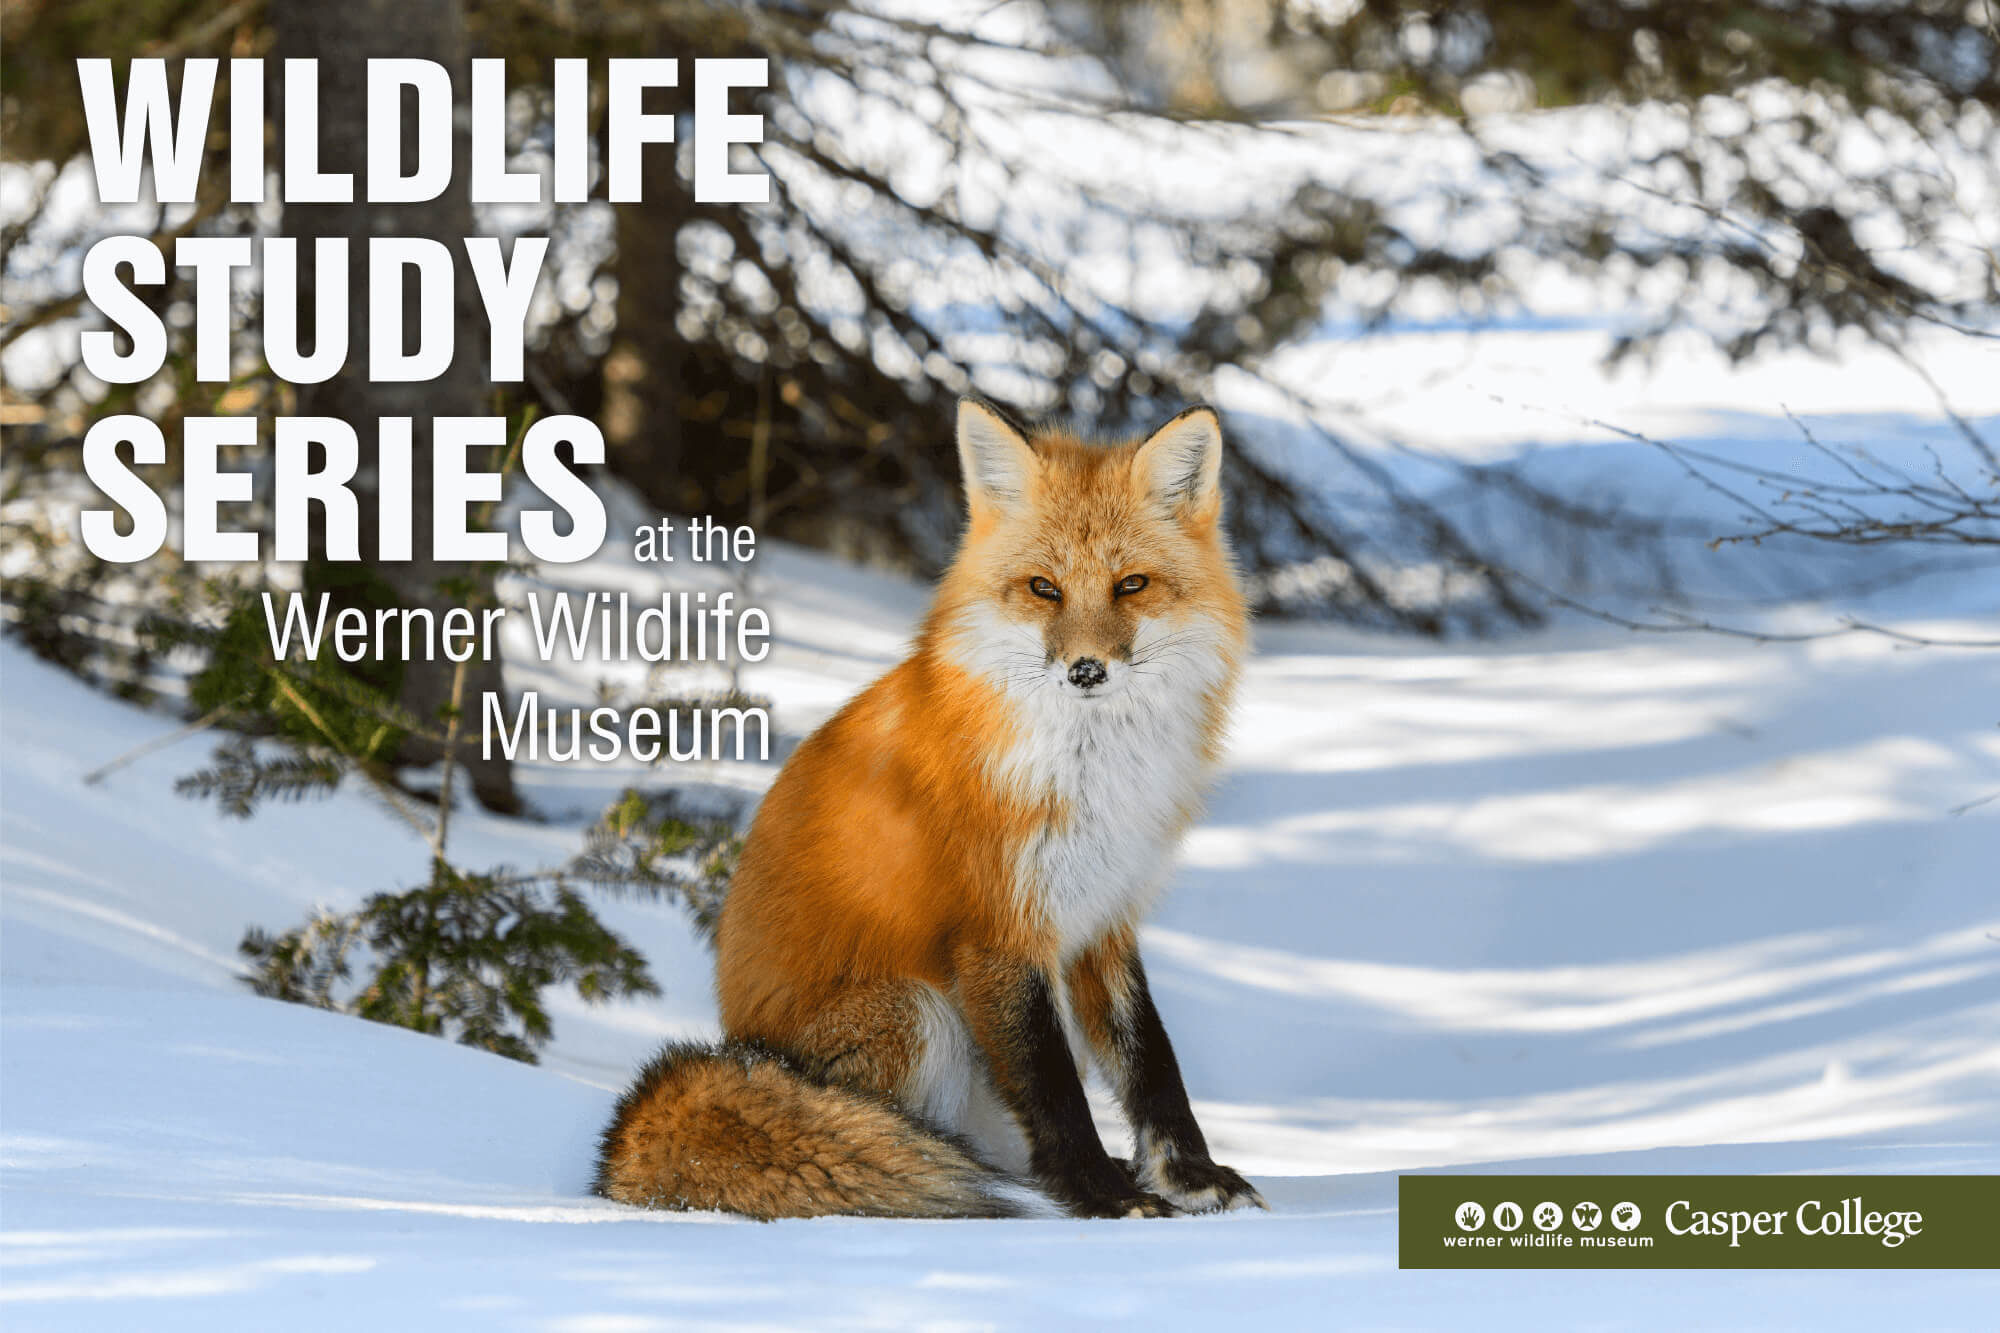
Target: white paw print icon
[1625, 1216]
[1587, 1216]
[1470, 1216]
[1548, 1216]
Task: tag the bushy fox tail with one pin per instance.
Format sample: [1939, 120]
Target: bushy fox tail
[739, 1128]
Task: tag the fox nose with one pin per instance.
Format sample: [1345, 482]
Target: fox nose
[1087, 672]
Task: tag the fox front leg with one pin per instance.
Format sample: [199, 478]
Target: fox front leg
[1170, 1157]
[1011, 1009]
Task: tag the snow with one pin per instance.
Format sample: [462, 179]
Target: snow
[1573, 901]
[1576, 901]
[1579, 900]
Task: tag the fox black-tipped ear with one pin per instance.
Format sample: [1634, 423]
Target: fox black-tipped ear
[1182, 463]
[994, 453]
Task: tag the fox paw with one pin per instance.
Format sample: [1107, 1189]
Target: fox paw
[1139, 1203]
[1200, 1186]
[1127, 1198]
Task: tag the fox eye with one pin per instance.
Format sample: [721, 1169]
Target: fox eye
[1130, 583]
[1041, 587]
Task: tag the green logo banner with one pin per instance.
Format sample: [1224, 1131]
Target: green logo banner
[1698, 1221]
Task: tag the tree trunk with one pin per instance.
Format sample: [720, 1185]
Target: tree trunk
[343, 37]
[644, 370]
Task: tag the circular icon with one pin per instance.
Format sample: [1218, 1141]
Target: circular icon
[1587, 1216]
[1508, 1217]
[1470, 1217]
[1625, 1216]
[1548, 1216]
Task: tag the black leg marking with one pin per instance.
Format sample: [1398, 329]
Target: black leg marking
[1037, 1075]
[1171, 1156]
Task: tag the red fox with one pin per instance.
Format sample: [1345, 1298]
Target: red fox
[933, 927]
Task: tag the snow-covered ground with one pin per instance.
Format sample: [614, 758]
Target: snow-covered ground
[1576, 901]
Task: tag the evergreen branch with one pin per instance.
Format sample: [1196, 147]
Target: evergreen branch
[144, 748]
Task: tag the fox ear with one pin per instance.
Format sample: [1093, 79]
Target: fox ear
[1182, 463]
[995, 456]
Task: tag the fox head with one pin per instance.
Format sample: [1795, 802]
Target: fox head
[1093, 572]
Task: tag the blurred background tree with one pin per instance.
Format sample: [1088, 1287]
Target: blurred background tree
[972, 196]
[1792, 120]
[343, 38]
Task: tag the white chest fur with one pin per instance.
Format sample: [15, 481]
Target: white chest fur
[1125, 773]
[1122, 773]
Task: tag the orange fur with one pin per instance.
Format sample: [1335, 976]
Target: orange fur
[739, 1131]
[1099, 986]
